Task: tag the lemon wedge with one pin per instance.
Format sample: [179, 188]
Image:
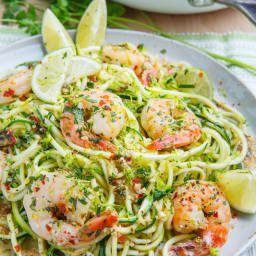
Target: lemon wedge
[55, 36]
[239, 187]
[194, 80]
[80, 67]
[92, 27]
[49, 75]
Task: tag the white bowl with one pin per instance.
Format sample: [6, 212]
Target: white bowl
[168, 6]
[242, 234]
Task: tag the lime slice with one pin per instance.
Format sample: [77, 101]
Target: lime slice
[92, 27]
[54, 34]
[194, 80]
[240, 189]
[49, 75]
[81, 66]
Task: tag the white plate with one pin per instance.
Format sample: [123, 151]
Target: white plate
[242, 236]
[168, 6]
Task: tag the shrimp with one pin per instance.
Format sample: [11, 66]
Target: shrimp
[169, 123]
[58, 210]
[201, 207]
[15, 86]
[92, 119]
[141, 64]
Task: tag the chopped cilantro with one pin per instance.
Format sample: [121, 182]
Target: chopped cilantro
[73, 201]
[140, 47]
[82, 201]
[77, 112]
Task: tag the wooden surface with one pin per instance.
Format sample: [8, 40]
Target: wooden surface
[219, 21]
[222, 21]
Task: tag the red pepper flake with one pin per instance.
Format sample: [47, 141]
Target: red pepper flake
[128, 158]
[113, 157]
[72, 241]
[121, 238]
[9, 93]
[140, 195]
[201, 74]
[114, 182]
[102, 102]
[215, 215]
[33, 118]
[7, 186]
[175, 195]
[7, 138]
[48, 228]
[43, 180]
[63, 208]
[105, 97]
[17, 248]
[234, 215]
[239, 148]
[137, 180]
[93, 78]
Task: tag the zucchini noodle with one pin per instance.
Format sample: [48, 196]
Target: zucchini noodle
[134, 180]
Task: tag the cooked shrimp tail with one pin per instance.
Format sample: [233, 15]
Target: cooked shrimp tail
[96, 107]
[54, 216]
[170, 124]
[132, 58]
[200, 207]
[15, 86]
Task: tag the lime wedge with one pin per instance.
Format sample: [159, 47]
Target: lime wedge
[54, 34]
[194, 80]
[81, 66]
[239, 187]
[92, 27]
[49, 75]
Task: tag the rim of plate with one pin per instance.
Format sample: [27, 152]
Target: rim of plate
[147, 34]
